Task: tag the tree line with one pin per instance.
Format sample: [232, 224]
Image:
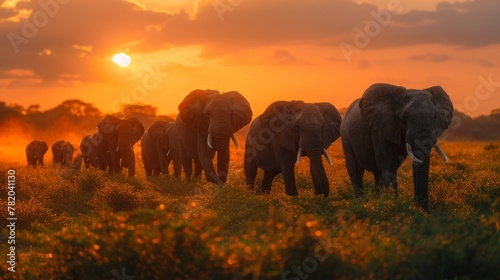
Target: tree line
[76, 115]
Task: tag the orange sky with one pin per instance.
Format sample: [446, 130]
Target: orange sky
[266, 49]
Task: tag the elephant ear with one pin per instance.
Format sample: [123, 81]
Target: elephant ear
[331, 128]
[191, 109]
[108, 124]
[280, 117]
[444, 108]
[137, 129]
[241, 114]
[157, 129]
[379, 109]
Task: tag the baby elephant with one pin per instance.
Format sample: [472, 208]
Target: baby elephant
[286, 131]
[62, 153]
[35, 152]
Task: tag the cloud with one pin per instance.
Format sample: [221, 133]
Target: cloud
[364, 64]
[430, 57]
[259, 23]
[469, 24]
[99, 28]
[111, 26]
[284, 57]
[6, 13]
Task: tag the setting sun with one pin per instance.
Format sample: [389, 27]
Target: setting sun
[122, 59]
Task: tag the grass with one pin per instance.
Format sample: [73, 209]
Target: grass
[90, 225]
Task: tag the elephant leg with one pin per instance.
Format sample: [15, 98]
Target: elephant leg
[377, 176]
[390, 178]
[186, 162]
[188, 168]
[354, 170]
[177, 164]
[131, 164]
[197, 168]
[250, 173]
[267, 181]
[147, 168]
[155, 172]
[287, 167]
[205, 157]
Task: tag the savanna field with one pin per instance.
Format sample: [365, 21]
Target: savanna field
[90, 225]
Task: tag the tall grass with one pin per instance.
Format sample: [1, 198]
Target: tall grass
[90, 225]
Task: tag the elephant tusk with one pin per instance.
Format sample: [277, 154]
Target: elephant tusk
[327, 157]
[209, 140]
[299, 154]
[411, 155]
[441, 153]
[235, 141]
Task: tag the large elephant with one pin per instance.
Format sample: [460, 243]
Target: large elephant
[159, 146]
[62, 153]
[119, 137]
[35, 152]
[206, 122]
[387, 124]
[286, 131]
[90, 153]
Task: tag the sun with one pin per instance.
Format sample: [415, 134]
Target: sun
[122, 59]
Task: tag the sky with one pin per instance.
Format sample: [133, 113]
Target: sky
[268, 50]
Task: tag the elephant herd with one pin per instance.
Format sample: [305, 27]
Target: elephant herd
[378, 131]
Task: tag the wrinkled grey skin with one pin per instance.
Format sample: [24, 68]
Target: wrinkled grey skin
[35, 152]
[376, 129]
[275, 137]
[117, 147]
[62, 153]
[90, 152]
[160, 146]
[207, 112]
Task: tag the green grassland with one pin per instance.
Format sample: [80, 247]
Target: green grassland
[89, 225]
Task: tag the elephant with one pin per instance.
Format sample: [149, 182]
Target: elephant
[35, 151]
[285, 132]
[117, 145]
[206, 122]
[388, 123]
[77, 163]
[90, 152]
[62, 153]
[159, 146]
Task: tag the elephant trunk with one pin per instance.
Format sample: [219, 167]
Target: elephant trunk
[421, 183]
[315, 151]
[419, 150]
[320, 180]
[222, 155]
[126, 153]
